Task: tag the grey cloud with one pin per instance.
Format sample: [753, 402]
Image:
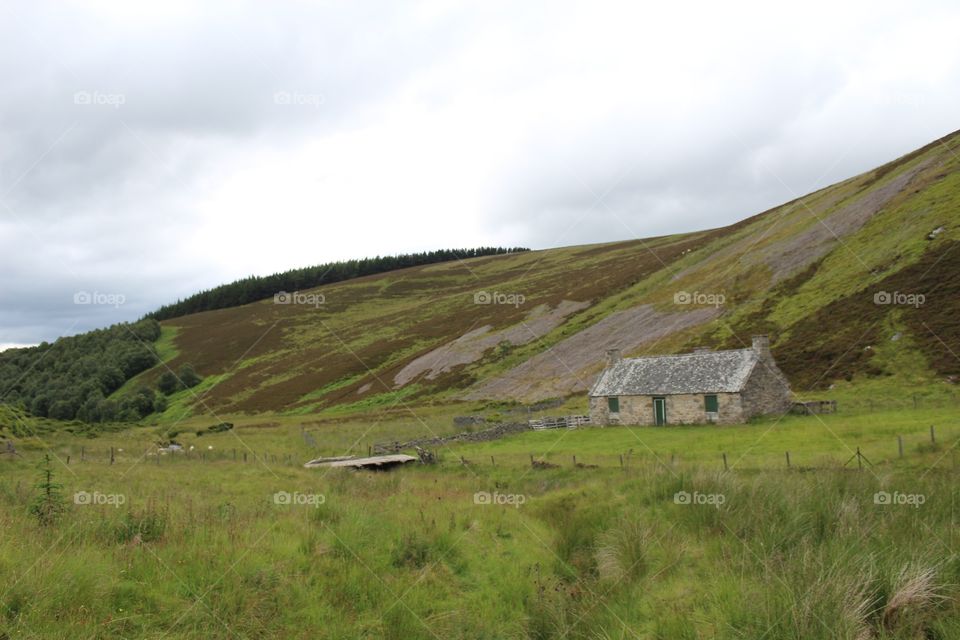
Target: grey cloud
[110, 197]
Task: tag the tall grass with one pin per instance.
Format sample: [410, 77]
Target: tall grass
[201, 550]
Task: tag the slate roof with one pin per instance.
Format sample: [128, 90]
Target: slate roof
[704, 372]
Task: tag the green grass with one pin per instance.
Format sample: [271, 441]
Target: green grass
[199, 549]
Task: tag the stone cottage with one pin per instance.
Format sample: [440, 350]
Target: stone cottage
[722, 387]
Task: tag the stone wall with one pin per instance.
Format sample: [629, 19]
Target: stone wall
[687, 408]
[493, 433]
[767, 390]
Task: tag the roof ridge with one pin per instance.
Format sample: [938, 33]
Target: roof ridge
[690, 353]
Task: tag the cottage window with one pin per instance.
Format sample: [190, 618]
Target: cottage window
[613, 404]
[711, 404]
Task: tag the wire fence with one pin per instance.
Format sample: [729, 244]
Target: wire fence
[915, 445]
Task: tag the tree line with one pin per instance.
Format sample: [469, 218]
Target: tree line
[74, 377]
[254, 288]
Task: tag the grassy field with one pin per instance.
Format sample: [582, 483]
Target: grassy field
[198, 545]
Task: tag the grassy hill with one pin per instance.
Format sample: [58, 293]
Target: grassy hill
[854, 283]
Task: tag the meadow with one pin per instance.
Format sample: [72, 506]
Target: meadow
[666, 544]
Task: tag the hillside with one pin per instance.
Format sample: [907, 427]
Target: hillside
[854, 282]
[814, 273]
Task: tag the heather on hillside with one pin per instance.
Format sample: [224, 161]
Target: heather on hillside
[255, 288]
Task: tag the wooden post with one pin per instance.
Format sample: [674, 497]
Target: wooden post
[111, 455]
[621, 460]
[369, 451]
[900, 445]
[493, 462]
[859, 459]
[244, 456]
[788, 459]
[531, 459]
[234, 455]
[574, 460]
[725, 467]
[68, 459]
[933, 435]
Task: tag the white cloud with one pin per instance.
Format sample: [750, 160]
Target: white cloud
[424, 125]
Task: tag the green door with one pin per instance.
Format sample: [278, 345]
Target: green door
[660, 411]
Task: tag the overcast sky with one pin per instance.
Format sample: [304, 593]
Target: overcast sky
[149, 150]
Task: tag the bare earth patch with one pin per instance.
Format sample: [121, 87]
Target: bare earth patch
[802, 249]
[471, 346]
[571, 365]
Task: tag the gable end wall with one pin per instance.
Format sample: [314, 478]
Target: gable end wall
[766, 391]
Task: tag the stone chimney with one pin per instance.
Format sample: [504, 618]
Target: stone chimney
[613, 357]
[761, 344]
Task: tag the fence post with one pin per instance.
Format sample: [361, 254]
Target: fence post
[621, 460]
[531, 459]
[900, 445]
[788, 459]
[493, 462]
[859, 459]
[933, 435]
[111, 455]
[574, 460]
[725, 467]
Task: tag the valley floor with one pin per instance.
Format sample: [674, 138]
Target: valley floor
[649, 536]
